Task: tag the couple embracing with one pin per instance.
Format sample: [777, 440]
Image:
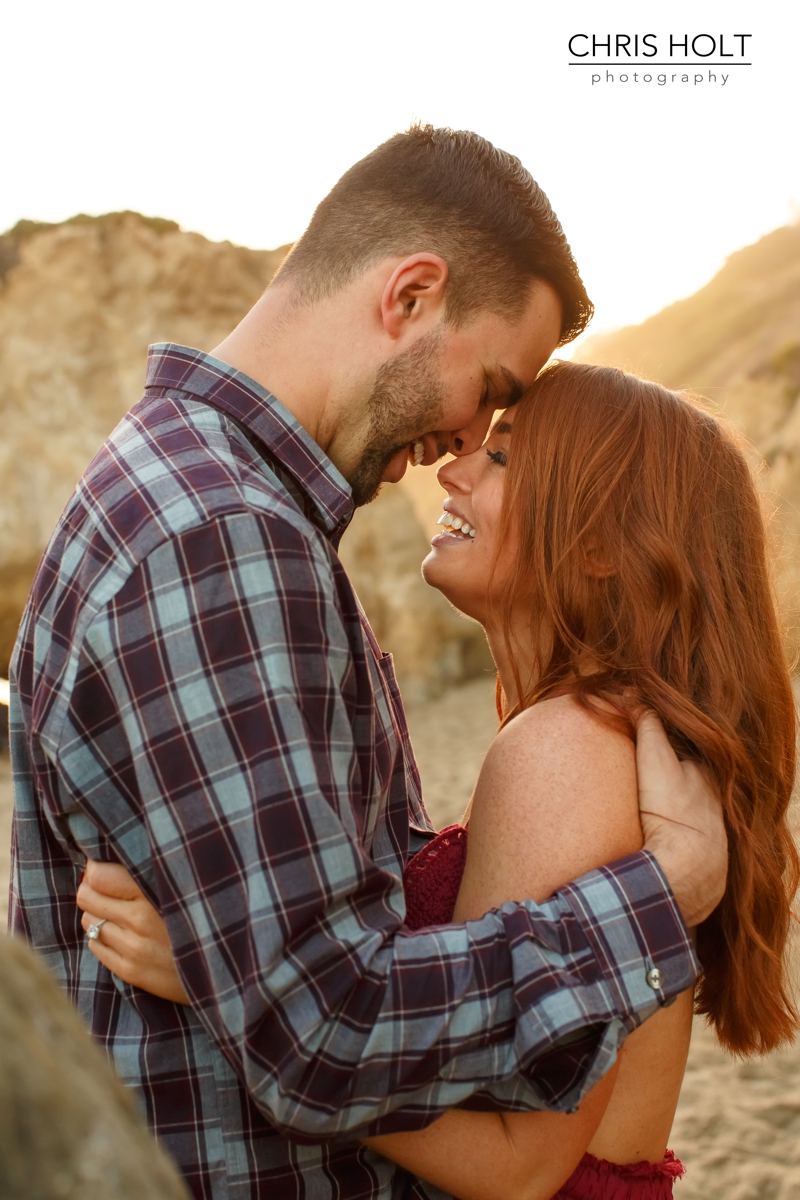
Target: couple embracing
[313, 993]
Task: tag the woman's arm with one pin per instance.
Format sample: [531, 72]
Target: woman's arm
[556, 797]
[516, 1156]
[469, 1154]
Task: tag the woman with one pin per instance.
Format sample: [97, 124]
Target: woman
[609, 538]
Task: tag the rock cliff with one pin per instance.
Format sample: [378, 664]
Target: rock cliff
[79, 304]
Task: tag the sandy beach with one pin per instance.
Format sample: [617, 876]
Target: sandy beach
[737, 1129]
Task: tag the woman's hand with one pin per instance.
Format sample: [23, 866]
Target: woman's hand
[681, 815]
[133, 940]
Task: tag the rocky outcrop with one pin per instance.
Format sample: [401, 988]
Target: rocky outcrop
[79, 304]
[68, 1129]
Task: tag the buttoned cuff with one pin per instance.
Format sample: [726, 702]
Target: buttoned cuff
[643, 953]
[633, 923]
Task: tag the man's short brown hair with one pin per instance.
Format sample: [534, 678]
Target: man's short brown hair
[454, 194]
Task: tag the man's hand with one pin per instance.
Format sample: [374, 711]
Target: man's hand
[682, 822]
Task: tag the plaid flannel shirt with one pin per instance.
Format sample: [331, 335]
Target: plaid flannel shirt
[197, 694]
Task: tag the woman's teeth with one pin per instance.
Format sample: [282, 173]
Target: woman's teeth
[455, 525]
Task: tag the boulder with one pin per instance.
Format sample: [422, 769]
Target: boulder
[68, 1129]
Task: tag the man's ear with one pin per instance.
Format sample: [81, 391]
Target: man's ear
[414, 295]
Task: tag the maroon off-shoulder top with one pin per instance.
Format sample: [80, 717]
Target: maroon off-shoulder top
[432, 878]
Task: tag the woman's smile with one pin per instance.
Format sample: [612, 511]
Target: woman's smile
[472, 517]
[455, 528]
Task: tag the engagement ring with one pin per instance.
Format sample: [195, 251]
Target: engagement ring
[93, 932]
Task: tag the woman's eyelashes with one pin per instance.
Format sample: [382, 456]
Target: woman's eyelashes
[497, 456]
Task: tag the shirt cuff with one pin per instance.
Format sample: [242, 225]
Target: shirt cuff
[632, 921]
[643, 953]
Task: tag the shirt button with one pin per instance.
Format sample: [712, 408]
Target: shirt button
[654, 978]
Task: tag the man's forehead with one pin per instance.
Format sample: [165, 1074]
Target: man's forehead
[515, 387]
[519, 349]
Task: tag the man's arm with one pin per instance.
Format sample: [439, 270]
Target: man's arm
[534, 825]
[226, 657]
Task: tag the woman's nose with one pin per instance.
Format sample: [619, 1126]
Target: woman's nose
[455, 474]
[447, 476]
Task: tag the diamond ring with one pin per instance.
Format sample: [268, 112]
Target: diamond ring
[93, 932]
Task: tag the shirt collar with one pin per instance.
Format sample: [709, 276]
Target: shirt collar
[228, 390]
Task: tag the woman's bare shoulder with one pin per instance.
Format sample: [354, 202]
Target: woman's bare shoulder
[556, 797]
[559, 740]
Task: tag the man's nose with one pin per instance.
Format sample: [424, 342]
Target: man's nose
[471, 437]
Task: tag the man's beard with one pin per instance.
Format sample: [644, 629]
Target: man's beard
[406, 401]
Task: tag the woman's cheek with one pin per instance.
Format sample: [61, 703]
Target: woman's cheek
[498, 558]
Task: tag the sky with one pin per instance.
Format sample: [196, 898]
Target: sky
[235, 118]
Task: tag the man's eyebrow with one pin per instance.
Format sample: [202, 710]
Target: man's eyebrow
[516, 389]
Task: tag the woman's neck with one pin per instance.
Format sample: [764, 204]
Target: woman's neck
[520, 656]
[515, 657]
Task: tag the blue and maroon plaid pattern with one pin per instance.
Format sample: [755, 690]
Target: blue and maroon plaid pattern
[197, 694]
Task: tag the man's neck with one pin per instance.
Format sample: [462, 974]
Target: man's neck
[274, 346]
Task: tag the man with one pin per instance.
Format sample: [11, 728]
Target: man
[198, 696]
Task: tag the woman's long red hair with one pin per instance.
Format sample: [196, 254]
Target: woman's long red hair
[642, 545]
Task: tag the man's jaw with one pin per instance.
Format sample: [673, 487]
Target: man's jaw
[395, 469]
[376, 469]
